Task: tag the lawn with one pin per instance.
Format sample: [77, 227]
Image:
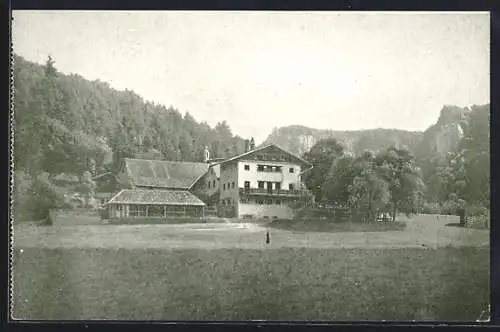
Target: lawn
[242, 284]
[319, 225]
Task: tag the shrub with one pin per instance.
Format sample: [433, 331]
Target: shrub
[478, 217]
[35, 198]
[431, 208]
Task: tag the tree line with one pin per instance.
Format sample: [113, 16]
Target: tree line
[393, 181]
[367, 184]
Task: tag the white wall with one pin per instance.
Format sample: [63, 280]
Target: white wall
[259, 211]
[252, 175]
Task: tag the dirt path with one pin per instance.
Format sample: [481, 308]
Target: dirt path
[421, 232]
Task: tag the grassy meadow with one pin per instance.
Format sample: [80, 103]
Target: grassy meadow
[242, 284]
[328, 226]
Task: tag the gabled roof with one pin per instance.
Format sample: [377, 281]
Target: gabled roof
[164, 174]
[248, 155]
[155, 197]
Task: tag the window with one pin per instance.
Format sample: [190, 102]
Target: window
[208, 184]
[291, 170]
[137, 211]
[213, 184]
[260, 168]
[278, 169]
[290, 186]
[278, 202]
[232, 185]
[247, 184]
[247, 167]
[228, 185]
[224, 186]
[260, 202]
[260, 184]
[269, 202]
[155, 211]
[277, 185]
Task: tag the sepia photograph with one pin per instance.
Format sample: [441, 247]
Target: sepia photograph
[281, 166]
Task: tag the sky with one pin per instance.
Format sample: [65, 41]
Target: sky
[260, 70]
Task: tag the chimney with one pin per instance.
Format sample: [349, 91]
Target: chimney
[206, 154]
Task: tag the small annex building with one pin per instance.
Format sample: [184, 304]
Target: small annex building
[157, 189]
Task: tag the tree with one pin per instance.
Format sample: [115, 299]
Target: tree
[321, 156]
[43, 198]
[475, 155]
[396, 166]
[87, 188]
[338, 178]
[369, 191]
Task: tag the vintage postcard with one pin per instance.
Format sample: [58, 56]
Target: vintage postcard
[239, 166]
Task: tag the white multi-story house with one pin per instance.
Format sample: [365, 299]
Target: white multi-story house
[261, 183]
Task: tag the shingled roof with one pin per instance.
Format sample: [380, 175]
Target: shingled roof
[164, 174]
[155, 197]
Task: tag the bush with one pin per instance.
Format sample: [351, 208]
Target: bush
[34, 199]
[478, 217]
[431, 208]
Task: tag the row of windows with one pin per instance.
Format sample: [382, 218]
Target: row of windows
[269, 202]
[273, 157]
[151, 211]
[213, 183]
[269, 186]
[230, 201]
[267, 168]
[260, 185]
[227, 201]
[229, 186]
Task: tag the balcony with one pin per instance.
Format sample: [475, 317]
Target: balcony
[270, 192]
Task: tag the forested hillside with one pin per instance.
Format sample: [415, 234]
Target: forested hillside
[67, 124]
[67, 128]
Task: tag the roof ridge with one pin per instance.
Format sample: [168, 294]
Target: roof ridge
[168, 161]
[259, 149]
[156, 189]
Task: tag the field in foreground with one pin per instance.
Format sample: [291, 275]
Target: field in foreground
[241, 284]
[328, 226]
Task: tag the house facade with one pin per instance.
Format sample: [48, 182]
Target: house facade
[262, 183]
